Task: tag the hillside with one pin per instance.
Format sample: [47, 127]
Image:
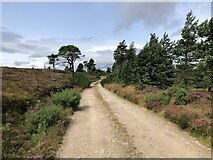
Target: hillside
[32, 82]
[27, 102]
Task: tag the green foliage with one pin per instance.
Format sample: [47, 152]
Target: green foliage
[154, 97]
[175, 95]
[119, 53]
[109, 70]
[154, 63]
[162, 98]
[70, 53]
[180, 97]
[91, 66]
[5, 128]
[39, 121]
[185, 52]
[80, 68]
[204, 69]
[52, 59]
[81, 80]
[171, 91]
[106, 80]
[66, 98]
[124, 68]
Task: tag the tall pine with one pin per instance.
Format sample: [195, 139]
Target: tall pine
[204, 69]
[154, 64]
[185, 51]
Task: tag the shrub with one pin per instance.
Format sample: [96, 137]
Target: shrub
[179, 115]
[192, 96]
[5, 128]
[106, 80]
[154, 97]
[130, 93]
[165, 98]
[16, 103]
[67, 98]
[171, 91]
[152, 105]
[81, 80]
[201, 126]
[40, 120]
[180, 97]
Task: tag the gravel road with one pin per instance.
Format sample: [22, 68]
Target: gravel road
[108, 126]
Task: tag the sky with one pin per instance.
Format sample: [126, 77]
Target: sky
[32, 30]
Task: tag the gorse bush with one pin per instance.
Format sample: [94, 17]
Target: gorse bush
[81, 80]
[40, 120]
[67, 98]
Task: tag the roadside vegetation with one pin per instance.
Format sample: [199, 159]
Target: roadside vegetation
[36, 109]
[171, 78]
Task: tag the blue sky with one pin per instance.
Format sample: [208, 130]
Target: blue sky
[31, 31]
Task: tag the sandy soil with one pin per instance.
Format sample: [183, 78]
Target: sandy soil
[108, 126]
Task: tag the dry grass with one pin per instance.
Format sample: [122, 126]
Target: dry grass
[128, 92]
[115, 88]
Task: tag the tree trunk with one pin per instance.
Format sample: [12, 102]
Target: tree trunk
[72, 68]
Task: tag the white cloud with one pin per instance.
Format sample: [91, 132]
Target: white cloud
[151, 14]
[18, 51]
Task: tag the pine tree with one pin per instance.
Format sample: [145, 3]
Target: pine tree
[154, 64]
[204, 69]
[185, 51]
[119, 56]
[80, 68]
[70, 54]
[52, 59]
[128, 68]
[119, 53]
[91, 66]
[168, 69]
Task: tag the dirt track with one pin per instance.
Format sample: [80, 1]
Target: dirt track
[107, 126]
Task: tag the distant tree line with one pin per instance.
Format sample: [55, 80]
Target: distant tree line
[162, 62]
[68, 55]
